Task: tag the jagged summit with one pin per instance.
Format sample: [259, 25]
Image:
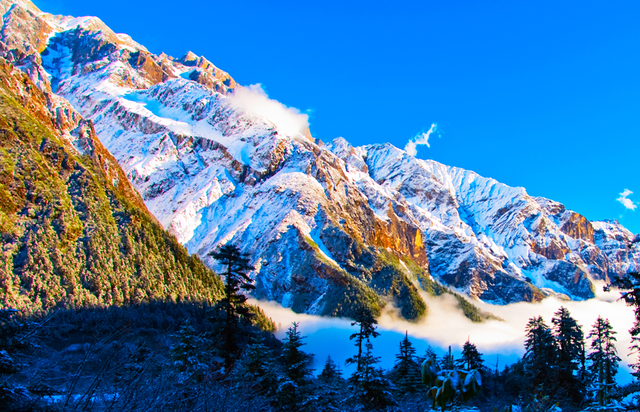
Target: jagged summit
[326, 225]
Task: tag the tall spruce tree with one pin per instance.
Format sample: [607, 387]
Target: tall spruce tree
[367, 329]
[406, 371]
[570, 354]
[629, 287]
[186, 352]
[292, 393]
[233, 304]
[296, 362]
[540, 353]
[371, 389]
[471, 358]
[603, 358]
[258, 366]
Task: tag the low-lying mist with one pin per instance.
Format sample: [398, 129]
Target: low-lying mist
[446, 325]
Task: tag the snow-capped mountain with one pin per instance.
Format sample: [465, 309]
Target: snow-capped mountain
[325, 224]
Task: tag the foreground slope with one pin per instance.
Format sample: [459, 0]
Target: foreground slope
[74, 232]
[327, 225]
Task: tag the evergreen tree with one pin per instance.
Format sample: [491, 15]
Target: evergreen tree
[367, 329]
[296, 362]
[330, 373]
[540, 352]
[292, 391]
[629, 287]
[570, 353]
[233, 303]
[186, 353]
[371, 389]
[330, 391]
[258, 367]
[447, 362]
[406, 371]
[603, 358]
[471, 358]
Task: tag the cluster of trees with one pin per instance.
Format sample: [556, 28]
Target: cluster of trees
[557, 364]
[223, 356]
[206, 357]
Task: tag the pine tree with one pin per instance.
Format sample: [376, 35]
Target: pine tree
[296, 362]
[371, 389]
[258, 366]
[471, 358]
[570, 353]
[233, 303]
[629, 287]
[406, 371]
[330, 373]
[292, 393]
[603, 358]
[447, 362]
[186, 353]
[331, 389]
[540, 352]
[367, 329]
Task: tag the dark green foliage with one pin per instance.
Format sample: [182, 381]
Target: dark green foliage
[345, 299]
[406, 371]
[471, 311]
[73, 231]
[388, 278]
[470, 358]
[540, 353]
[232, 310]
[603, 359]
[570, 354]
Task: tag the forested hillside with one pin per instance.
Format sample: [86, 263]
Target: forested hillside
[74, 231]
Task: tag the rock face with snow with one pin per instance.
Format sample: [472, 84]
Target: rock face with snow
[326, 225]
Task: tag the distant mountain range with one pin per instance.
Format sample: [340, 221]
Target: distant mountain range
[327, 225]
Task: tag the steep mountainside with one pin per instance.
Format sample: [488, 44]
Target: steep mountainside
[74, 232]
[326, 224]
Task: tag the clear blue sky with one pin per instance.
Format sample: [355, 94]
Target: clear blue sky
[544, 95]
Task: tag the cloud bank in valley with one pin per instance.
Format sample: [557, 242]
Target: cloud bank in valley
[445, 325]
[254, 99]
[626, 202]
[420, 139]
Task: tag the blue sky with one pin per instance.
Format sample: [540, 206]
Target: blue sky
[543, 95]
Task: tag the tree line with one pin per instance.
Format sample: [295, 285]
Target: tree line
[224, 356]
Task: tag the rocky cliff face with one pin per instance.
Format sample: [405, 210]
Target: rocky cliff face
[326, 225]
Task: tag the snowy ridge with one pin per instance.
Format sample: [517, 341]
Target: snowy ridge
[317, 219]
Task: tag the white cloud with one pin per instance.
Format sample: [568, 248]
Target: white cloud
[420, 139]
[626, 202]
[254, 99]
[446, 325]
